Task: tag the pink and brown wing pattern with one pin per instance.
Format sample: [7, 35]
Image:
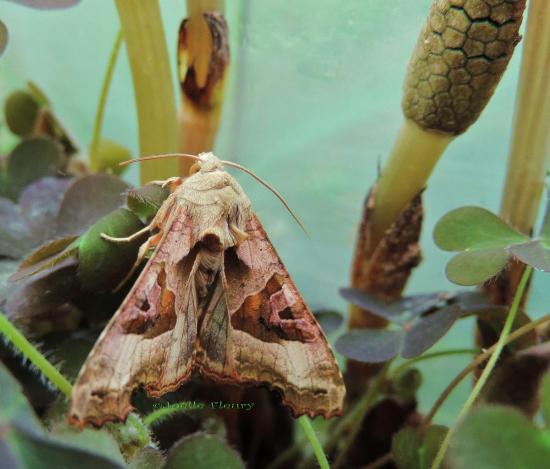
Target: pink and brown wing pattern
[150, 341]
[257, 329]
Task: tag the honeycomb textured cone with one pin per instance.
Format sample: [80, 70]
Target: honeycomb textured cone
[459, 58]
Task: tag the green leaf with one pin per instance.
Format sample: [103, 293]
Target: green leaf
[545, 398]
[110, 154]
[145, 201]
[475, 267]
[533, 253]
[405, 446]
[102, 264]
[21, 110]
[4, 36]
[14, 407]
[41, 452]
[24, 443]
[202, 451]
[132, 436]
[370, 345]
[38, 94]
[87, 200]
[147, 458]
[496, 437]
[433, 438]
[99, 442]
[31, 160]
[474, 228]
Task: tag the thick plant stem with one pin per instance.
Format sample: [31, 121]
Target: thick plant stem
[155, 102]
[411, 161]
[203, 60]
[94, 145]
[314, 441]
[35, 357]
[446, 87]
[530, 147]
[499, 346]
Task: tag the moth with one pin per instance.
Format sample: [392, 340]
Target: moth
[213, 298]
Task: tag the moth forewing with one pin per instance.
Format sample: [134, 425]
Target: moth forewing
[215, 298]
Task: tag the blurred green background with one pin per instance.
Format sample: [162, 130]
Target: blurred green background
[313, 106]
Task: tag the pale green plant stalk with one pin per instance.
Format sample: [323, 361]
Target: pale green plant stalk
[499, 346]
[314, 441]
[161, 414]
[143, 34]
[20, 342]
[529, 149]
[98, 121]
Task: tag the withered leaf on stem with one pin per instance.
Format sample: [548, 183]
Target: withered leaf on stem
[383, 270]
[214, 297]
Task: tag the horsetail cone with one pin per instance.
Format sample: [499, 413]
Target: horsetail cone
[459, 58]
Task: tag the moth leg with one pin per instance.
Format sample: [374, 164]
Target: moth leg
[238, 235]
[143, 249]
[130, 238]
[172, 182]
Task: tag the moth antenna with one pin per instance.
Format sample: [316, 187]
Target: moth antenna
[160, 157]
[271, 188]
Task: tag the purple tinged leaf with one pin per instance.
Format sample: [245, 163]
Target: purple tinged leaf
[40, 202]
[470, 301]
[329, 320]
[417, 305]
[7, 268]
[44, 292]
[87, 200]
[370, 303]
[533, 253]
[402, 310]
[47, 4]
[428, 330]
[14, 239]
[370, 345]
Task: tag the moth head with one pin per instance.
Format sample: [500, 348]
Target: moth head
[206, 163]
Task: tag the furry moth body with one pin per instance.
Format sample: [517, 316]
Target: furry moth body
[214, 297]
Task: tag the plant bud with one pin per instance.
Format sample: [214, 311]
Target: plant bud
[458, 61]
